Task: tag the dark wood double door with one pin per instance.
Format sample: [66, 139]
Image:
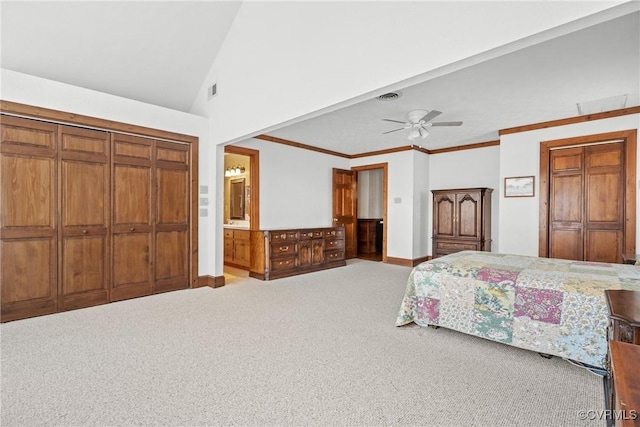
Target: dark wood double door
[587, 202]
[89, 217]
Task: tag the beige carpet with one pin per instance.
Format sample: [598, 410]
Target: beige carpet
[318, 349]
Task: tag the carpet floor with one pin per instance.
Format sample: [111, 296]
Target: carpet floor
[317, 349]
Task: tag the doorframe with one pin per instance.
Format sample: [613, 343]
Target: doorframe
[629, 137]
[385, 183]
[254, 181]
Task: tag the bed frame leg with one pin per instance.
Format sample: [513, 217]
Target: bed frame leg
[546, 356]
[434, 326]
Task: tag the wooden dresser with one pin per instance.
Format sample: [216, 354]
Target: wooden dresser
[461, 220]
[622, 385]
[282, 253]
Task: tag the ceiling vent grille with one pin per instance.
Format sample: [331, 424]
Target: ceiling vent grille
[391, 96]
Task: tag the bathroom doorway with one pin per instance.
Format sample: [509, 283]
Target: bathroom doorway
[372, 211]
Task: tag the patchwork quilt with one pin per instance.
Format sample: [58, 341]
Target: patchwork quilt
[547, 305]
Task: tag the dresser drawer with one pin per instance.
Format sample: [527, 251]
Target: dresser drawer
[241, 234]
[228, 233]
[283, 236]
[333, 256]
[282, 264]
[284, 249]
[457, 246]
[331, 244]
[334, 232]
[311, 234]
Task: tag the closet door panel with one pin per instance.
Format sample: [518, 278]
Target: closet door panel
[28, 220]
[173, 206]
[172, 217]
[35, 279]
[132, 217]
[84, 217]
[171, 261]
[27, 192]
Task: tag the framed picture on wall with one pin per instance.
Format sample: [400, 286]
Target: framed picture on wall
[519, 186]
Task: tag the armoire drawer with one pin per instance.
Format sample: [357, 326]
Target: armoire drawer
[457, 246]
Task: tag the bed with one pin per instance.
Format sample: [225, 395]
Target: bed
[551, 306]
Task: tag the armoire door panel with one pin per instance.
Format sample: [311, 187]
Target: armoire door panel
[467, 219]
[132, 195]
[28, 269]
[83, 264]
[604, 245]
[172, 196]
[445, 216]
[27, 191]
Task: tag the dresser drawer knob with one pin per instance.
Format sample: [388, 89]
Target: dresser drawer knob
[284, 248]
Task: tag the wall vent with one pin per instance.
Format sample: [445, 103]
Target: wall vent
[213, 90]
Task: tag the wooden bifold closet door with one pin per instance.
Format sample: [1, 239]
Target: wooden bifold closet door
[89, 217]
[586, 203]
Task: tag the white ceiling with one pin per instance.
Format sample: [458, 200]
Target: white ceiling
[154, 52]
[160, 53]
[536, 84]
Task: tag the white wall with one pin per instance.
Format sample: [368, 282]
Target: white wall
[26, 89]
[370, 192]
[479, 167]
[520, 155]
[421, 205]
[295, 185]
[285, 60]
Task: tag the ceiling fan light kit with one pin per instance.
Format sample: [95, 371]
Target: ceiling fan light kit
[419, 122]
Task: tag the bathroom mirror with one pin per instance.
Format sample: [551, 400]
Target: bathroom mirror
[236, 199]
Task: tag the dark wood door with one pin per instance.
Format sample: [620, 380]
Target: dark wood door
[444, 215]
[345, 208]
[172, 217]
[586, 203]
[28, 205]
[132, 217]
[84, 217]
[467, 215]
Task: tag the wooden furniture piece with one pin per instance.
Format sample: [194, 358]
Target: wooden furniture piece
[282, 253]
[630, 258]
[368, 236]
[624, 315]
[89, 217]
[237, 248]
[461, 220]
[625, 383]
[623, 308]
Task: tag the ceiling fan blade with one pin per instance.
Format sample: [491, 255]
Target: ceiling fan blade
[393, 130]
[446, 124]
[395, 121]
[430, 115]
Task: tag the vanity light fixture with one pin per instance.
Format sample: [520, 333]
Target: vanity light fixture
[234, 170]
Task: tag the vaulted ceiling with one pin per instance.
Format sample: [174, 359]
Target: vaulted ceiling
[160, 53]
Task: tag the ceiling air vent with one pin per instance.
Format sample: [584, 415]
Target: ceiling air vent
[391, 96]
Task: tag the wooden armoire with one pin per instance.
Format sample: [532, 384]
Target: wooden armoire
[461, 220]
[89, 216]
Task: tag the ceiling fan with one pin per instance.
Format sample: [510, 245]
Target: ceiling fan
[419, 123]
